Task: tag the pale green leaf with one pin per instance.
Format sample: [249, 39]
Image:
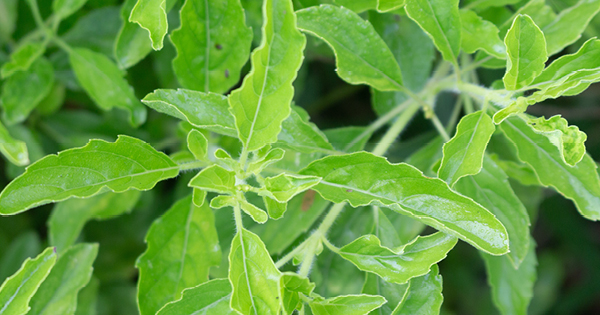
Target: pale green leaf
[203, 110]
[568, 139]
[83, 172]
[272, 156]
[424, 295]
[257, 214]
[463, 154]
[484, 4]
[17, 290]
[69, 217]
[440, 19]
[275, 208]
[253, 276]
[516, 107]
[151, 15]
[392, 292]
[569, 25]
[199, 197]
[209, 298]
[197, 144]
[284, 187]
[263, 101]
[512, 289]
[478, 33]
[357, 5]
[526, 49]
[132, 43]
[223, 201]
[389, 5]
[104, 83]
[402, 264]
[64, 8]
[213, 43]
[347, 305]
[182, 246]
[290, 286]
[22, 58]
[14, 150]
[362, 57]
[363, 178]
[579, 183]
[24, 90]
[215, 179]
[72, 271]
[299, 134]
[491, 189]
[8, 18]
[25, 245]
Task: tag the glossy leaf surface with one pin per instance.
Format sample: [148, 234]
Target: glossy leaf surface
[424, 295]
[284, 186]
[86, 171]
[347, 304]
[14, 150]
[209, 298]
[132, 43]
[215, 179]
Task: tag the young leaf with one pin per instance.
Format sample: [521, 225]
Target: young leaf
[568, 139]
[132, 43]
[213, 43]
[441, 21]
[526, 49]
[203, 110]
[512, 289]
[209, 298]
[478, 33]
[272, 156]
[261, 104]
[64, 8]
[151, 15]
[58, 293]
[215, 179]
[299, 134]
[22, 58]
[362, 178]
[362, 57]
[198, 145]
[69, 217]
[347, 305]
[24, 90]
[290, 286]
[83, 172]
[97, 74]
[257, 214]
[398, 266]
[17, 290]
[275, 208]
[569, 24]
[14, 150]
[253, 276]
[392, 292]
[182, 246]
[491, 189]
[424, 295]
[463, 154]
[284, 187]
[221, 201]
[579, 183]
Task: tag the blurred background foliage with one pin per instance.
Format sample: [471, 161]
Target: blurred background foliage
[568, 246]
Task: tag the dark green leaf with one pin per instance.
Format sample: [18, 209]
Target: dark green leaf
[424, 295]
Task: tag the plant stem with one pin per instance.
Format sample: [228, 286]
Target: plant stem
[395, 130]
[35, 11]
[237, 214]
[289, 256]
[193, 165]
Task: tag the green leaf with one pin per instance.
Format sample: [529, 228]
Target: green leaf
[586, 58]
[579, 183]
[18, 289]
[209, 298]
[569, 25]
[213, 44]
[58, 293]
[427, 156]
[389, 5]
[399, 265]
[284, 187]
[151, 15]
[385, 230]
[290, 287]
[97, 74]
[392, 292]
[87, 299]
[362, 57]
[64, 8]
[253, 276]
[132, 43]
[215, 179]
[199, 197]
[463, 154]
[363, 178]
[96, 30]
[491, 189]
[275, 208]
[568, 139]
[348, 139]
[198, 145]
[257, 214]
[526, 49]
[24, 90]
[424, 295]
[441, 21]
[22, 58]
[223, 201]
[262, 103]
[8, 18]
[69, 217]
[347, 305]
[83, 172]
[357, 5]
[14, 150]
[272, 156]
[484, 4]
[299, 134]
[512, 289]
[25, 245]
[480, 34]
[182, 246]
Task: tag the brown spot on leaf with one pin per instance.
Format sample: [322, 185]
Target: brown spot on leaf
[307, 201]
[218, 46]
[227, 73]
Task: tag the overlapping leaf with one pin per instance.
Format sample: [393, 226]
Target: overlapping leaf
[424, 295]
[568, 139]
[22, 58]
[215, 179]
[392, 292]
[291, 285]
[478, 33]
[568, 26]
[64, 8]
[209, 298]
[14, 150]
[152, 16]
[347, 304]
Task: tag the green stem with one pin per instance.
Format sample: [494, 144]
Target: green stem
[193, 165]
[331, 247]
[395, 130]
[237, 214]
[62, 44]
[35, 11]
[289, 256]
[455, 113]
